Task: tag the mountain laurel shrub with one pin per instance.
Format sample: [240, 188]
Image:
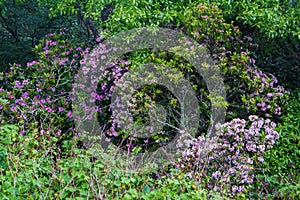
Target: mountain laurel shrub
[231, 161]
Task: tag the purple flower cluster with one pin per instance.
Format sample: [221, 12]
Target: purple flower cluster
[265, 98]
[40, 94]
[230, 158]
[101, 81]
[248, 86]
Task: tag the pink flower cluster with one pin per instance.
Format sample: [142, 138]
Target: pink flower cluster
[266, 97]
[38, 96]
[229, 159]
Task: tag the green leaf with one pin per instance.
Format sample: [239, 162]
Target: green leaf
[146, 189]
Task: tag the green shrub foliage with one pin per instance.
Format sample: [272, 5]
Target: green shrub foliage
[280, 175]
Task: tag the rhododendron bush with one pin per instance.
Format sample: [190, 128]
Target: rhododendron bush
[38, 97]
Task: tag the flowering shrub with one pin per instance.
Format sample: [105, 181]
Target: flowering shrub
[231, 162]
[37, 96]
[139, 105]
[250, 90]
[267, 100]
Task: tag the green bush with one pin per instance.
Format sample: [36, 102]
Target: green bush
[280, 175]
[272, 17]
[32, 168]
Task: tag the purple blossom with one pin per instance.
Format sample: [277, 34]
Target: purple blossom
[58, 133]
[98, 39]
[216, 174]
[18, 85]
[25, 95]
[70, 114]
[50, 35]
[25, 82]
[43, 132]
[260, 159]
[32, 63]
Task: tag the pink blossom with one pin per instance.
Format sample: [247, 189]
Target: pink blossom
[70, 114]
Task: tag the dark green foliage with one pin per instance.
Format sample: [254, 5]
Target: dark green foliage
[24, 23]
[275, 26]
[20, 29]
[280, 56]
